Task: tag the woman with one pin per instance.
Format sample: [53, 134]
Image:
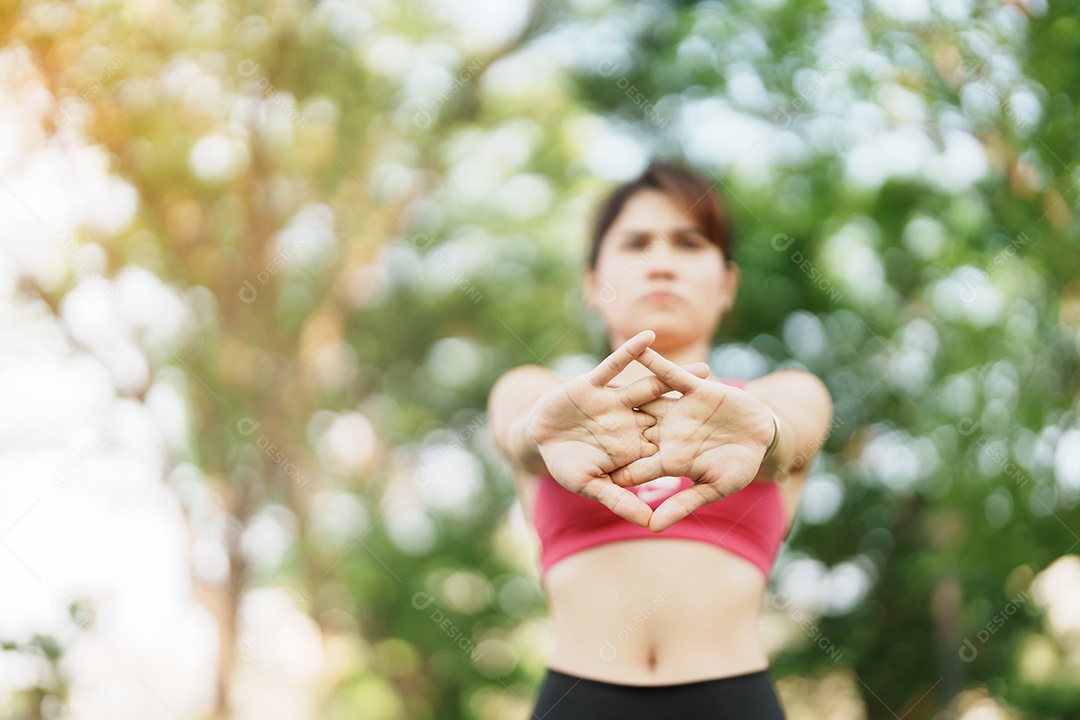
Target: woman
[650, 445]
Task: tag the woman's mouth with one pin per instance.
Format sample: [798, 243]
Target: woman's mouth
[663, 298]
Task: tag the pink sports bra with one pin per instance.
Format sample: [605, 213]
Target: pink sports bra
[749, 523]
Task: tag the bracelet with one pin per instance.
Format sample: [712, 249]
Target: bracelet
[776, 435]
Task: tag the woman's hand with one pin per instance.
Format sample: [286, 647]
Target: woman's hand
[714, 434]
[585, 430]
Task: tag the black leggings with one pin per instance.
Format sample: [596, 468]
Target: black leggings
[747, 697]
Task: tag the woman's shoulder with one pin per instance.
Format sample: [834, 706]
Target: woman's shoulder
[784, 378]
[528, 374]
[518, 385]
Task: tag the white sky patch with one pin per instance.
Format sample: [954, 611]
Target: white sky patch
[571, 366]
[166, 401]
[959, 394]
[482, 162]
[525, 75]
[39, 229]
[338, 516]
[454, 362]
[411, 530]
[805, 335]
[1025, 106]
[899, 153]
[269, 535]
[391, 56]
[914, 11]
[434, 69]
[149, 306]
[924, 237]
[738, 360]
[902, 105]
[889, 460]
[218, 158]
[307, 239]
[349, 441]
[1056, 589]
[962, 163]
[801, 581]
[449, 266]
[615, 156]
[449, 477]
[91, 519]
[846, 585]
[745, 87]
[1067, 463]
[822, 497]
[347, 21]
[525, 196]
[717, 136]
[966, 295]
[280, 655]
[483, 26]
[954, 10]
[850, 257]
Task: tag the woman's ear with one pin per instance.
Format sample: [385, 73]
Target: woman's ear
[731, 286]
[588, 289]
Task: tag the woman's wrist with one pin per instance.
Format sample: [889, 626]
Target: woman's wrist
[781, 450]
[525, 450]
[776, 435]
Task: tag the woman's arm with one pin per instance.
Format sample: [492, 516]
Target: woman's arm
[511, 400]
[804, 407]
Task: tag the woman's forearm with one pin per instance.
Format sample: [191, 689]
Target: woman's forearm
[522, 448]
[510, 403]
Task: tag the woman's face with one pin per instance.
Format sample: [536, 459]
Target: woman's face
[657, 271]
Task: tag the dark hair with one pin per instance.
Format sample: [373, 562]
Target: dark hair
[679, 183]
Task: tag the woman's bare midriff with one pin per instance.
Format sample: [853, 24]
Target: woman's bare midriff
[655, 612]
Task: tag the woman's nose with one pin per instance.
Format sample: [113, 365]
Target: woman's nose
[661, 256]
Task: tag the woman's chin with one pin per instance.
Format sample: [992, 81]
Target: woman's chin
[668, 335]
